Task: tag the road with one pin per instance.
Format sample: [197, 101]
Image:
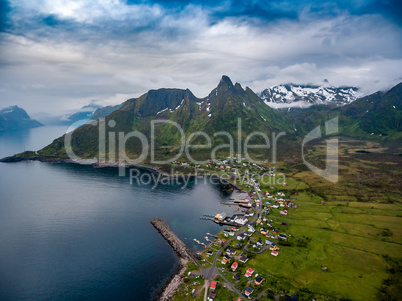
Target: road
[209, 273]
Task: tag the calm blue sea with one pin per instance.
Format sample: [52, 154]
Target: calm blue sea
[70, 232]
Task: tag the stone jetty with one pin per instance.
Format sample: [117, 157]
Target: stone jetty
[182, 252]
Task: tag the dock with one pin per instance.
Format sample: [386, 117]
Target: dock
[218, 221]
[198, 242]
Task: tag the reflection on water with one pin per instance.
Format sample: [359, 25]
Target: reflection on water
[13, 142]
[83, 233]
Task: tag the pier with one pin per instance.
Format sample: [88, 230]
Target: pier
[178, 246]
[208, 217]
[221, 221]
[184, 254]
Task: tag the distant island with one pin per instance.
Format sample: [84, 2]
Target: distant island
[15, 118]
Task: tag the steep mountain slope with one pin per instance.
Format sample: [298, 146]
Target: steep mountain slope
[291, 95]
[375, 116]
[219, 111]
[15, 118]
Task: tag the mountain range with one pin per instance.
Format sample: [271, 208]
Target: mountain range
[217, 112]
[377, 116]
[302, 96]
[15, 118]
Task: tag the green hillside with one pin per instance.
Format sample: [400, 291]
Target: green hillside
[374, 117]
[217, 112]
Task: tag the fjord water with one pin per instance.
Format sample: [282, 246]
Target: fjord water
[71, 232]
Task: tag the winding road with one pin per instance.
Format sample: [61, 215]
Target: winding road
[211, 272]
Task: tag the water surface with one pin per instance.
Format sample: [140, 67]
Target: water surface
[71, 232]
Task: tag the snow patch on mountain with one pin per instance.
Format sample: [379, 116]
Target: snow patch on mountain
[303, 96]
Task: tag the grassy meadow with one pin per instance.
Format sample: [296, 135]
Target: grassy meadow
[354, 227]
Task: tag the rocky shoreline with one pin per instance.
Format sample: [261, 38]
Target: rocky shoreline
[184, 257]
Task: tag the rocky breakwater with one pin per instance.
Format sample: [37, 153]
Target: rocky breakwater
[182, 252]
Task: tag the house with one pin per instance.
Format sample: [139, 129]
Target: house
[275, 206]
[212, 287]
[293, 297]
[240, 220]
[249, 272]
[209, 253]
[234, 266]
[275, 253]
[225, 259]
[238, 245]
[230, 252]
[259, 243]
[221, 216]
[249, 292]
[251, 229]
[241, 237]
[284, 212]
[284, 224]
[283, 236]
[269, 242]
[263, 231]
[259, 280]
[273, 248]
[211, 295]
[236, 276]
[243, 259]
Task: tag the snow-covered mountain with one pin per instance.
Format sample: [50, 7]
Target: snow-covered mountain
[301, 96]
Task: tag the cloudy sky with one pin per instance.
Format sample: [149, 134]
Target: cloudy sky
[58, 55]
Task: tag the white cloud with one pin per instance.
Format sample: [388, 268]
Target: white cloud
[111, 52]
[88, 11]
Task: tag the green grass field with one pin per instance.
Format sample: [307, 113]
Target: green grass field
[352, 227]
[351, 239]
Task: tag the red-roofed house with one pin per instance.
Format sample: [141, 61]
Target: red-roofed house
[213, 286]
[234, 266]
[249, 272]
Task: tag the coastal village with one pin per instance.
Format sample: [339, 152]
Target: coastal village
[222, 270]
